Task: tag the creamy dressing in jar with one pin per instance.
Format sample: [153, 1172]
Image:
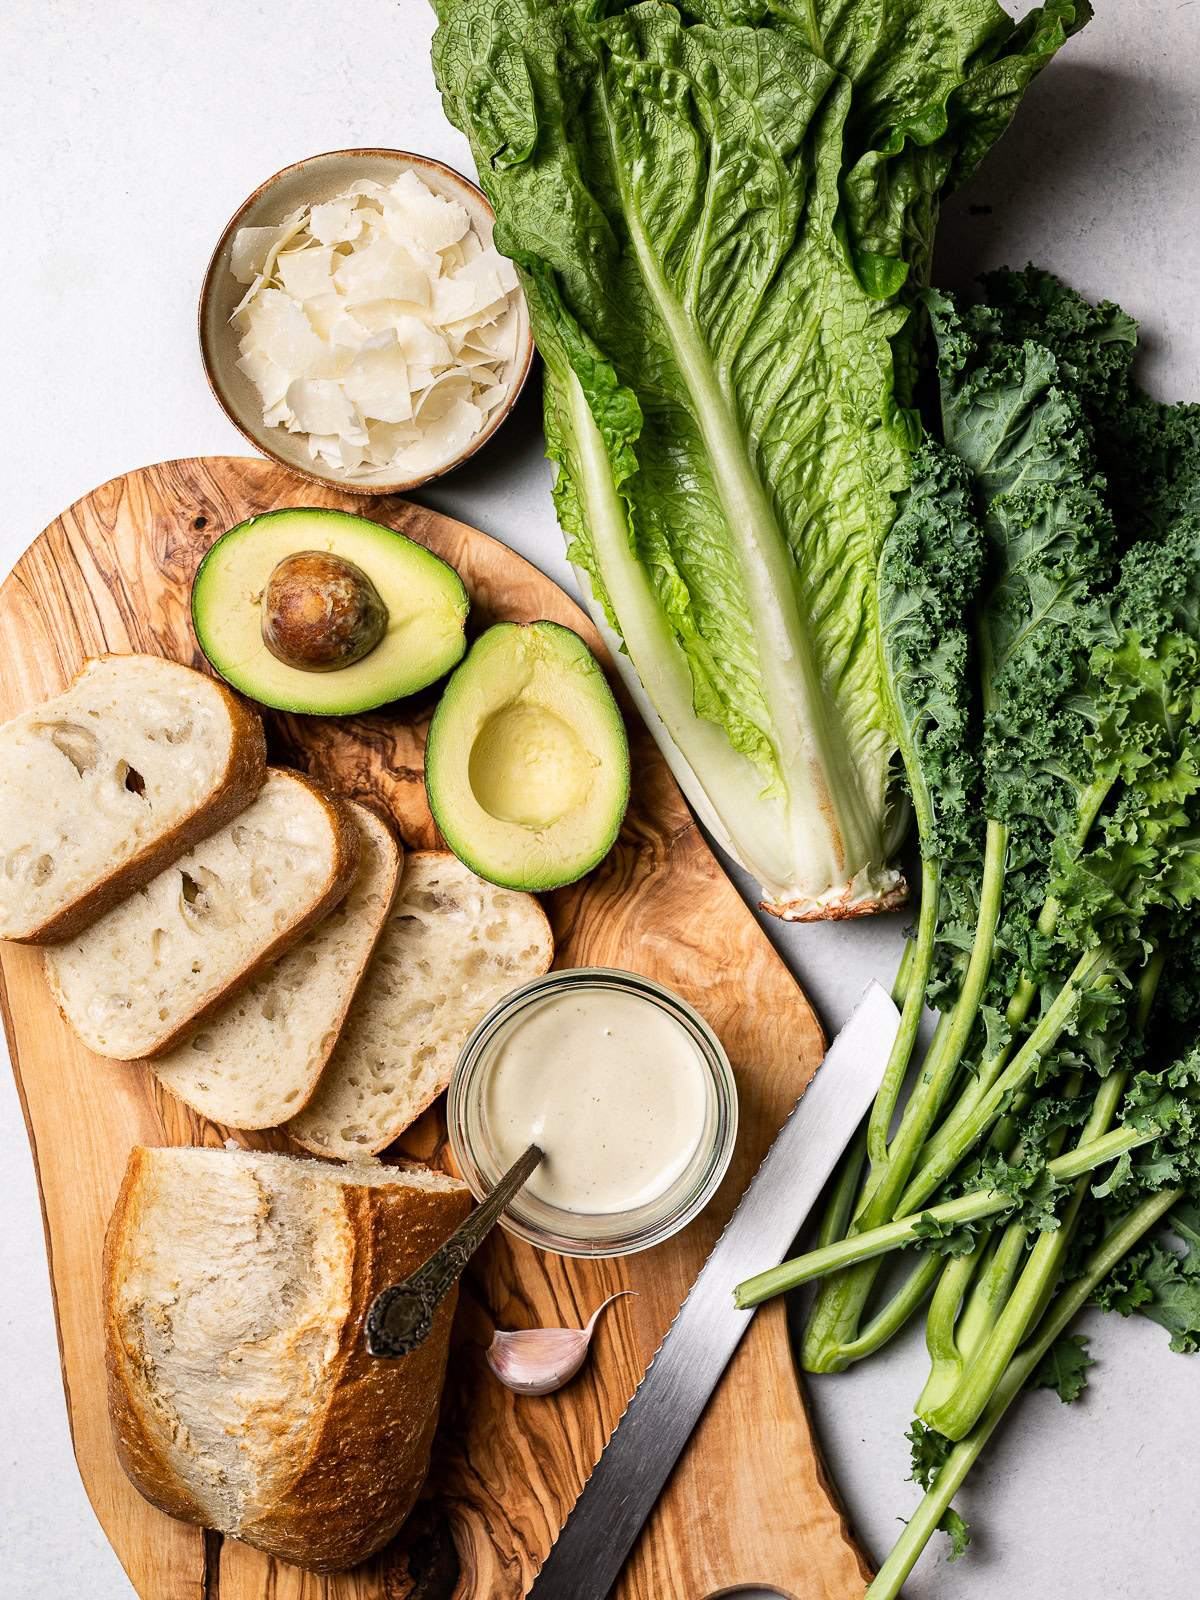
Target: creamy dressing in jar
[610, 1086]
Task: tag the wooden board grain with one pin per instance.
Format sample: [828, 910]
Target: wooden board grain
[750, 1501]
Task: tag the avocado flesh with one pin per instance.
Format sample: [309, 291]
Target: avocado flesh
[425, 599]
[527, 764]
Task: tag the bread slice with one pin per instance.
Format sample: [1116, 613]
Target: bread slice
[140, 979]
[105, 785]
[256, 1061]
[452, 947]
[242, 1397]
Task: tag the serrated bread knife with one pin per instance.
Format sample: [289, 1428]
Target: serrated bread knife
[588, 1554]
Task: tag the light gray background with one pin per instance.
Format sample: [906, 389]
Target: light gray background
[132, 132]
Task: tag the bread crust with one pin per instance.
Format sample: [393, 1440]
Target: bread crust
[352, 806]
[346, 843]
[411, 858]
[365, 1462]
[245, 773]
[346, 846]
[143, 1463]
[369, 1458]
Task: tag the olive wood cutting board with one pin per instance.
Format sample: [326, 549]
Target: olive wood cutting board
[750, 1502]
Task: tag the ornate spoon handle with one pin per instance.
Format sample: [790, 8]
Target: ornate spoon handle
[401, 1316]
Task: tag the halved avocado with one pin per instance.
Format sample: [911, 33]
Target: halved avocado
[527, 764]
[417, 636]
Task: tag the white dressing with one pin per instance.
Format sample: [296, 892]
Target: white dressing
[610, 1086]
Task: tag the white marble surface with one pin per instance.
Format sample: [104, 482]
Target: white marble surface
[131, 133]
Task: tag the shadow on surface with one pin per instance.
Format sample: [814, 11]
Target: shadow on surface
[1089, 165]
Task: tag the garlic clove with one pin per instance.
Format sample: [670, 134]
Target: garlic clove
[539, 1360]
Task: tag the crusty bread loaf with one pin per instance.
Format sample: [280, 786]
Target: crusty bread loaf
[452, 946]
[257, 1060]
[140, 979]
[242, 1397]
[100, 788]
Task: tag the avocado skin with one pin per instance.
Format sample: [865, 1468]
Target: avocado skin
[557, 676]
[411, 579]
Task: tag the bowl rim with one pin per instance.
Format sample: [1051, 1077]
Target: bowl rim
[618, 1240]
[524, 362]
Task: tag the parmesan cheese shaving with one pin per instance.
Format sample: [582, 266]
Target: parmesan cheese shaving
[379, 325]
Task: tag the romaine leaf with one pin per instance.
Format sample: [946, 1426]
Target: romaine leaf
[713, 221]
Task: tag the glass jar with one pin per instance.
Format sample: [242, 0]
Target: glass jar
[579, 1233]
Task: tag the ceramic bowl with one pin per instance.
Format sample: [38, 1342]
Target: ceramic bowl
[312, 182]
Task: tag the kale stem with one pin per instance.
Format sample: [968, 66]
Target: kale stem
[986, 1300]
[1026, 991]
[903, 981]
[954, 1341]
[971, 1207]
[831, 1337]
[1021, 1309]
[833, 1321]
[840, 1205]
[963, 1128]
[955, 1414]
[944, 1057]
[892, 1316]
[1116, 1243]
[916, 981]
[945, 1357]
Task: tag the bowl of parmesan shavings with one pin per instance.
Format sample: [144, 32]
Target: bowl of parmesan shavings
[357, 323]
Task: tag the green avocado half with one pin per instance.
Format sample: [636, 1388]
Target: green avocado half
[424, 598]
[527, 763]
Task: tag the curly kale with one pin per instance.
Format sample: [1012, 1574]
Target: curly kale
[929, 570]
[929, 1452]
[1040, 626]
[1010, 417]
[1093, 345]
[1149, 452]
[1063, 1368]
[1161, 1283]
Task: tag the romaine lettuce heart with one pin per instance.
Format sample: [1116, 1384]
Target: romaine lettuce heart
[722, 217]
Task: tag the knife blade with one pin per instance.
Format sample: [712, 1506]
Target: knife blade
[585, 1559]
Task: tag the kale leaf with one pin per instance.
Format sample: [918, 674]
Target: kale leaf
[1162, 1283]
[929, 1452]
[1063, 1367]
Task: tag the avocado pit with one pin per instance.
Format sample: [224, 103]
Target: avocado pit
[321, 612]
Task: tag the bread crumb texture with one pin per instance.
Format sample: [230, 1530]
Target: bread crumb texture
[452, 947]
[133, 980]
[240, 1390]
[95, 777]
[257, 1061]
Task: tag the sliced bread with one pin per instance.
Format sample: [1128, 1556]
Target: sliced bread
[103, 786]
[241, 1394]
[451, 947]
[256, 1061]
[140, 979]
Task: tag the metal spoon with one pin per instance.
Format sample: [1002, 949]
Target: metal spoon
[401, 1316]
